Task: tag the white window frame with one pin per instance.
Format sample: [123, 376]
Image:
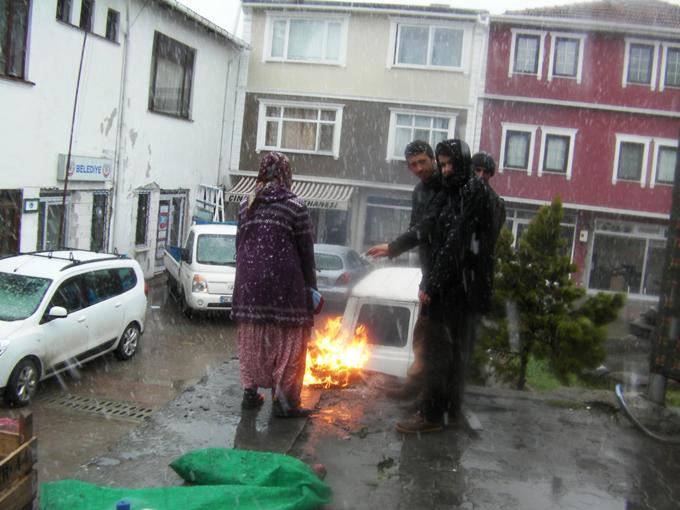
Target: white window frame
[664, 61]
[643, 140]
[528, 128]
[660, 143]
[464, 57]
[343, 19]
[655, 62]
[557, 131]
[262, 126]
[541, 51]
[581, 38]
[450, 116]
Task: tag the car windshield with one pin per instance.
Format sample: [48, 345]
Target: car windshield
[327, 262]
[20, 295]
[216, 249]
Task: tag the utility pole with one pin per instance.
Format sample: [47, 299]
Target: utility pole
[665, 361]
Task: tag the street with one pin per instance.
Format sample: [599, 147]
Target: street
[78, 414]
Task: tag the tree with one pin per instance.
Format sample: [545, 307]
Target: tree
[555, 322]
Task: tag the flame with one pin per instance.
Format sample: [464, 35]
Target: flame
[332, 358]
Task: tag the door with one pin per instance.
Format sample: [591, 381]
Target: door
[170, 224]
[100, 204]
[10, 213]
[49, 223]
[66, 337]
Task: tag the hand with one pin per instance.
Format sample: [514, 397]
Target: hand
[424, 298]
[379, 250]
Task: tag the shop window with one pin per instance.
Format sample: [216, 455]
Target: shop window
[13, 37]
[517, 221]
[172, 71]
[99, 222]
[386, 218]
[142, 224]
[300, 127]
[406, 126]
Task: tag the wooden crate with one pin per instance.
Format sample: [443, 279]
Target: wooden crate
[18, 455]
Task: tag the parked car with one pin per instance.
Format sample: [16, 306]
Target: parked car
[60, 309]
[386, 303]
[201, 274]
[338, 269]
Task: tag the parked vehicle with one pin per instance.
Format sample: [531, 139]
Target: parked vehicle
[338, 269]
[201, 274]
[386, 303]
[63, 308]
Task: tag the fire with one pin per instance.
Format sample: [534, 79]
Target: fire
[332, 358]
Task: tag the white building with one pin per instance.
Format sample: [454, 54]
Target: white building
[155, 110]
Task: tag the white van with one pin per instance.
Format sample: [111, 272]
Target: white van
[386, 303]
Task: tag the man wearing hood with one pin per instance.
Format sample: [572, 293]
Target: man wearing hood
[460, 217]
[421, 162]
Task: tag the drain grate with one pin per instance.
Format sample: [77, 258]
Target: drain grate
[101, 406]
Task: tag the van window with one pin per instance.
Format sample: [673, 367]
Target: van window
[216, 249]
[189, 246]
[385, 324]
[127, 277]
[20, 295]
[100, 285]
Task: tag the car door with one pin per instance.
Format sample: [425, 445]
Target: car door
[105, 311]
[66, 337]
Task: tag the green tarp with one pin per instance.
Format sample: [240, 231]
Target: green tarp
[223, 478]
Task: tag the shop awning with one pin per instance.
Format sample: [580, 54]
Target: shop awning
[317, 195]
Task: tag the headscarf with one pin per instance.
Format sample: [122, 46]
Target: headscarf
[274, 171]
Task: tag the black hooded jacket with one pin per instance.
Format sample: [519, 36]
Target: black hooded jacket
[423, 206]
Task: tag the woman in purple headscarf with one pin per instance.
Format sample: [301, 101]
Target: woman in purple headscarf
[272, 293]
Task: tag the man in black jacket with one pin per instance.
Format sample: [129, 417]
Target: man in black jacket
[462, 217]
[421, 162]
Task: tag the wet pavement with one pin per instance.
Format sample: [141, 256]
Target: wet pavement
[568, 450]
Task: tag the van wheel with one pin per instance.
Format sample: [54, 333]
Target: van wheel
[129, 342]
[22, 384]
[186, 309]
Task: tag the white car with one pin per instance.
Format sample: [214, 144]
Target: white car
[60, 309]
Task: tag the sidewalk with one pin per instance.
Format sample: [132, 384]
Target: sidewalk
[564, 451]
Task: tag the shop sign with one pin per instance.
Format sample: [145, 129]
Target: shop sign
[84, 168]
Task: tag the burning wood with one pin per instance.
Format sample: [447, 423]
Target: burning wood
[333, 360]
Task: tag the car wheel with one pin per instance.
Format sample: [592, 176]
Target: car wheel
[129, 342]
[22, 384]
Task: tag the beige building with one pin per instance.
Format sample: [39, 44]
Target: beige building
[341, 89]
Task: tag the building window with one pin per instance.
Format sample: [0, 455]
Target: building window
[142, 224]
[566, 59]
[420, 45]
[665, 159]
[64, 11]
[670, 72]
[627, 257]
[13, 37]
[86, 15]
[526, 54]
[112, 22]
[517, 222]
[640, 63]
[557, 151]
[406, 126]
[99, 221]
[307, 39]
[300, 127]
[517, 147]
[172, 72]
[630, 158]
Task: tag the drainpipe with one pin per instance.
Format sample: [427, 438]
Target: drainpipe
[224, 119]
[117, 183]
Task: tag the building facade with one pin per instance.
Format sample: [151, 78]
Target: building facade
[140, 98]
[583, 102]
[341, 88]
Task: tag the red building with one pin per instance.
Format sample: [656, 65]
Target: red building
[583, 101]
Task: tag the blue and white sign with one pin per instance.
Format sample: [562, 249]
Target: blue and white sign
[85, 169]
